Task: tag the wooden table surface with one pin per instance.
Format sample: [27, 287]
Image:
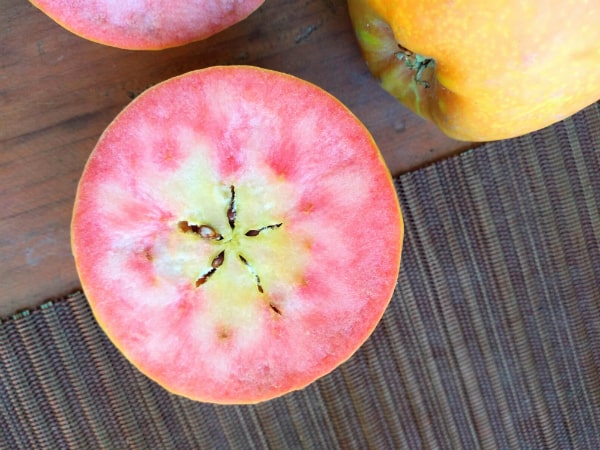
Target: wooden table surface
[58, 92]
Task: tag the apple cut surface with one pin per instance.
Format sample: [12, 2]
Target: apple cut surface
[146, 24]
[237, 234]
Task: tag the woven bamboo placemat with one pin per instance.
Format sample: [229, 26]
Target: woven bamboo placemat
[492, 339]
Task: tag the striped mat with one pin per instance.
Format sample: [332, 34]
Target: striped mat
[492, 338]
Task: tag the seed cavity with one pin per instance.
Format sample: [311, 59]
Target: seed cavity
[256, 232]
[204, 278]
[253, 272]
[231, 211]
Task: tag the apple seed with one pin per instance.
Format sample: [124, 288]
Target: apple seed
[257, 232]
[204, 231]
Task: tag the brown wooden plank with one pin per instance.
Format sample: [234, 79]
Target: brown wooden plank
[59, 91]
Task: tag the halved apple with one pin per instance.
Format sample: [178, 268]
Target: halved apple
[146, 24]
[237, 234]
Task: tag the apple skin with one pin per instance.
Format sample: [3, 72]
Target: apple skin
[146, 24]
[498, 69]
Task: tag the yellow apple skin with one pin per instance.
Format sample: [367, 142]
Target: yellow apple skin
[490, 69]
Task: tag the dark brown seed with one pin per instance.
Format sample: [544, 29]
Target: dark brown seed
[204, 278]
[252, 233]
[218, 261]
[274, 308]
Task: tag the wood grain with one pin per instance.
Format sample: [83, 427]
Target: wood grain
[59, 91]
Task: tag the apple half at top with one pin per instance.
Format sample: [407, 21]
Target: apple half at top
[146, 24]
[237, 234]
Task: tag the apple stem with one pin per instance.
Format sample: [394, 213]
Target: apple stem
[418, 63]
